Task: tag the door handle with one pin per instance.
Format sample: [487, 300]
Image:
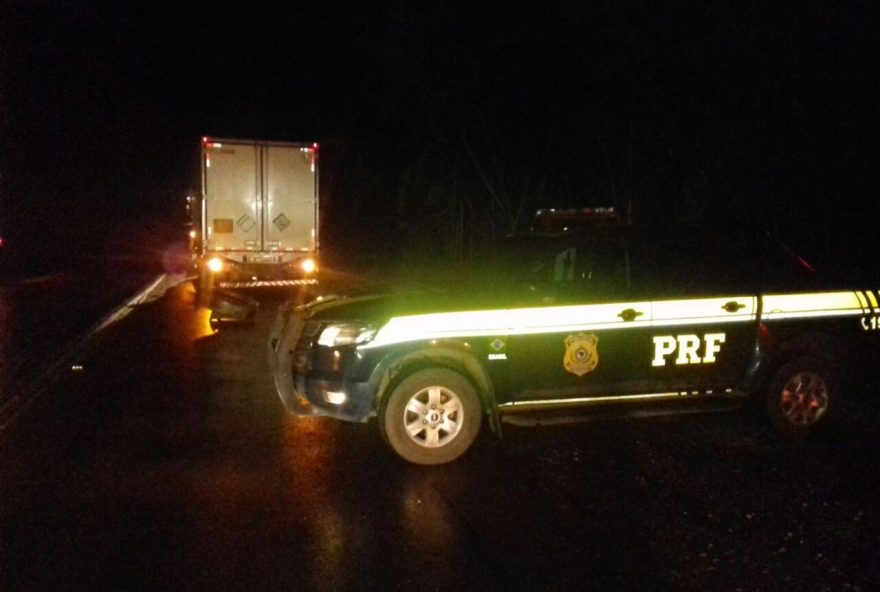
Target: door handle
[630, 314]
[733, 306]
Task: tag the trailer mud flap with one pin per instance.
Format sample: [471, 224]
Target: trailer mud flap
[232, 307]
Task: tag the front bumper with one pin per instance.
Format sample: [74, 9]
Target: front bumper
[312, 393]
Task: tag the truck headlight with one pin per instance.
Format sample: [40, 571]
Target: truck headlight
[345, 334]
[215, 264]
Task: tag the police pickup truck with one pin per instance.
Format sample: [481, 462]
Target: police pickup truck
[622, 320]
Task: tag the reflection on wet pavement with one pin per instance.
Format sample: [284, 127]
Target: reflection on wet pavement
[170, 463]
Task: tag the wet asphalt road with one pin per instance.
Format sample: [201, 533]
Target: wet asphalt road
[168, 463]
[47, 319]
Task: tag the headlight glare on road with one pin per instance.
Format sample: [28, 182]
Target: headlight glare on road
[345, 334]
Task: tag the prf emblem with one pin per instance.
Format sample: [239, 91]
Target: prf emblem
[581, 353]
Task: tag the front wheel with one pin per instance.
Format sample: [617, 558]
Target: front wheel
[432, 417]
[801, 395]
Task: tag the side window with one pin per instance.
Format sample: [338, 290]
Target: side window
[781, 269]
[698, 261]
[563, 266]
[593, 270]
[688, 264]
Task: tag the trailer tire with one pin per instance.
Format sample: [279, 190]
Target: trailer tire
[204, 286]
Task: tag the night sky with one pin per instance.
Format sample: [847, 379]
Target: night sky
[442, 125]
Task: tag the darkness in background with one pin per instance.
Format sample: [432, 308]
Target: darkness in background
[442, 126]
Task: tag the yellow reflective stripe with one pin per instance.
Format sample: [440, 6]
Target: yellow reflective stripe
[820, 304]
[700, 311]
[560, 319]
[873, 300]
[862, 300]
[598, 317]
[522, 321]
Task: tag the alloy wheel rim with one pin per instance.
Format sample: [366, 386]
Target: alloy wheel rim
[433, 417]
[804, 399]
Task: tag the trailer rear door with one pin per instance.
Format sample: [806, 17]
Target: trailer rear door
[290, 198]
[232, 196]
[260, 199]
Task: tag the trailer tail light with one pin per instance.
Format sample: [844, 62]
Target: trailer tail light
[312, 154]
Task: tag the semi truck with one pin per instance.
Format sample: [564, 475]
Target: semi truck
[257, 215]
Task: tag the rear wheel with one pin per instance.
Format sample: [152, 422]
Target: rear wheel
[801, 395]
[431, 417]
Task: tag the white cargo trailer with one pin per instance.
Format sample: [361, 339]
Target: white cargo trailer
[259, 214]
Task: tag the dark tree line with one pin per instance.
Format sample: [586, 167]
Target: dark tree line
[474, 119]
[444, 125]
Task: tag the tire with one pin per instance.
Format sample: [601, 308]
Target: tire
[431, 417]
[802, 396]
[204, 287]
